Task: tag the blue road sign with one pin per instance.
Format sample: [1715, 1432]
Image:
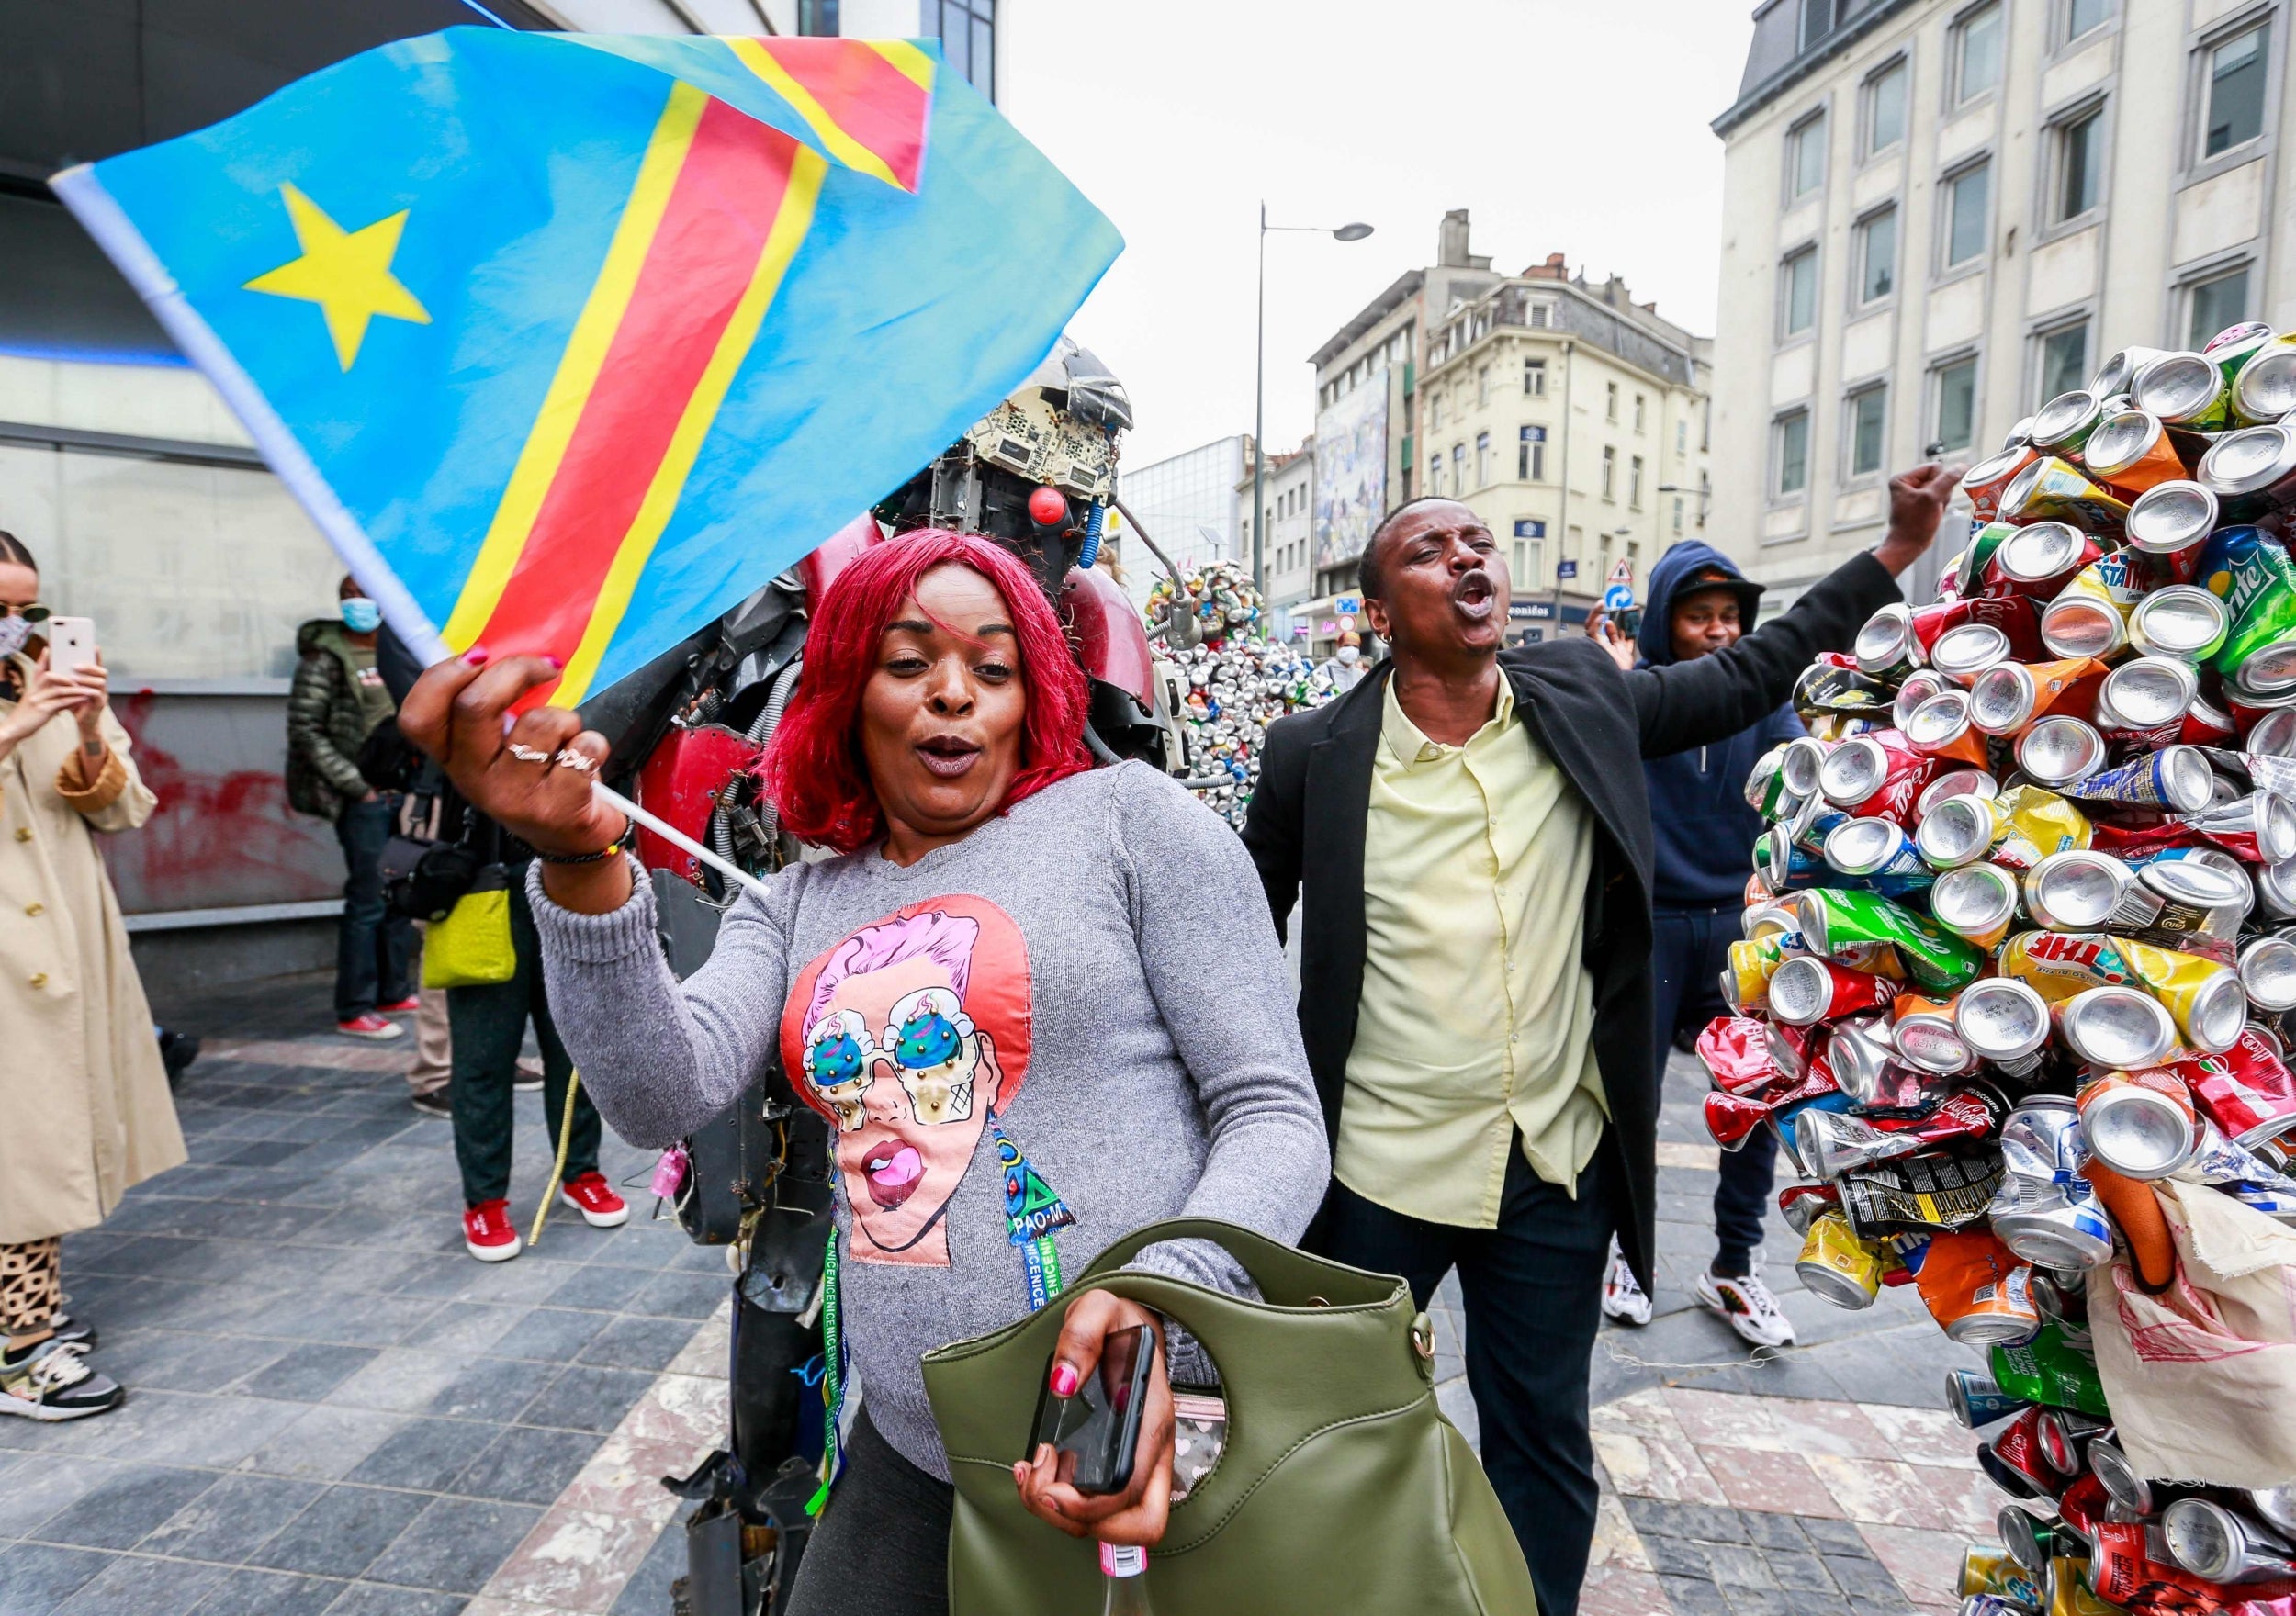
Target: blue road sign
[1564, 569]
[1619, 596]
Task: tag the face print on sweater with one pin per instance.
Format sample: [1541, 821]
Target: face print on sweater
[907, 1035]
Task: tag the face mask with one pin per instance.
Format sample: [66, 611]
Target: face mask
[361, 615]
[13, 631]
[1350, 654]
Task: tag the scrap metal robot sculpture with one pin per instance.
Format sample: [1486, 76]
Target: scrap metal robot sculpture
[1038, 475]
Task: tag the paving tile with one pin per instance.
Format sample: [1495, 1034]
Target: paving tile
[368, 1598]
[1880, 1490]
[576, 1559]
[133, 1585]
[637, 1343]
[466, 1328]
[491, 1389]
[1925, 1564]
[681, 1296]
[37, 1578]
[1678, 1556]
[1738, 1566]
[326, 1444]
[1655, 1518]
[1753, 1479]
[1654, 1468]
[423, 1454]
[1783, 1426]
[1925, 1436]
[125, 1506]
[455, 1544]
[1607, 1591]
[1803, 1602]
[525, 1465]
[586, 1399]
[341, 1532]
[308, 1373]
[218, 1432]
[1767, 1531]
[599, 1289]
[1799, 1568]
[398, 1381]
[648, 1591]
[551, 1335]
[231, 1520]
[1863, 1579]
[269, 1593]
[62, 1483]
[1746, 1599]
[1836, 1537]
[1692, 1596]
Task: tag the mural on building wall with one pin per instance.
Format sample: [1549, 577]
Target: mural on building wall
[1350, 472]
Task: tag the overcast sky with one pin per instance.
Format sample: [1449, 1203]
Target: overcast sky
[1570, 126]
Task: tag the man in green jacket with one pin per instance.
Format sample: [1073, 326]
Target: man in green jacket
[337, 701]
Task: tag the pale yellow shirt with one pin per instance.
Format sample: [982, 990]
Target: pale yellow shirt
[1477, 1016]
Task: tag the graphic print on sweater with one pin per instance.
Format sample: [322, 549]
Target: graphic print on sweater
[911, 1033]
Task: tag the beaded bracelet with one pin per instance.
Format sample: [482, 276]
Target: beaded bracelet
[629, 834]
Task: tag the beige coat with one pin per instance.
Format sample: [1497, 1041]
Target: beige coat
[81, 1080]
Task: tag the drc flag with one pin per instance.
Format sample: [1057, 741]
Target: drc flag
[568, 342]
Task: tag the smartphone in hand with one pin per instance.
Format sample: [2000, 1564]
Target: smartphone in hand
[1097, 1431]
[71, 644]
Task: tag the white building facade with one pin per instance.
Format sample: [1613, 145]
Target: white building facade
[1289, 495]
[1187, 503]
[1940, 213]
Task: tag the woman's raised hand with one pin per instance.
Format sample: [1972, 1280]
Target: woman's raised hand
[44, 696]
[532, 775]
[1139, 1514]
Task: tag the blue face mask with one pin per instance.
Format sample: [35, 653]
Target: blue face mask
[361, 615]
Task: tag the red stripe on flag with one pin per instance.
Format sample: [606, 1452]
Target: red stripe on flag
[702, 260]
[872, 100]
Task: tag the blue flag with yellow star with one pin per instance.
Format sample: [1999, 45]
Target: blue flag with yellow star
[568, 342]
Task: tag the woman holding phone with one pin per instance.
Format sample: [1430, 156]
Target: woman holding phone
[84, 1085]
[998, 994]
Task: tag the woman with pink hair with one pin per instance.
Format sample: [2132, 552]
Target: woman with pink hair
[995, 992]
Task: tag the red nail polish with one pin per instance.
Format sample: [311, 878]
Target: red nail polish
[1064, 1381]
[477, 656]
[555, 666]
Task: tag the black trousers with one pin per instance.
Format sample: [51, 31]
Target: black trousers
[881, 1547]
[1688, 950]
[488, 1025]
[373, 947]
[1533, 1293]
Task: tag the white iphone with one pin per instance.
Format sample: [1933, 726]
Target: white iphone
[71, 644]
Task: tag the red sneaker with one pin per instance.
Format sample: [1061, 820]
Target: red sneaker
[370, 1025]
[406, 1006]
[591, 1197]
[486, 1233]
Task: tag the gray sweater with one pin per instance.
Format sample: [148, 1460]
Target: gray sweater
[1071, 1023]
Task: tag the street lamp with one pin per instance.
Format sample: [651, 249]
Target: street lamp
[1705, 492]
[1346, 232]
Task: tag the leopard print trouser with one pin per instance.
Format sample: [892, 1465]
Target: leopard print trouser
[32, 1284]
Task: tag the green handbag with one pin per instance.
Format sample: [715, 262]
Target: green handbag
[1341, 1487]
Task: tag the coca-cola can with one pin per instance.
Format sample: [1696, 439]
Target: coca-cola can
[2004, 1021]
[1967, 650]
[1976, 902]
[2081, 625]
[1798, 765]
[2115, 1028]
[2065, 1434]
[2274, 735]
[2126, 1487]
[1957, 782]
[2017, 1467]
[2266, 818]
[2171, 520]
[2220, 1546]
[1886, 646]
[2078, 890]
[2146, 693]
[2059, 750]
[2041, 558]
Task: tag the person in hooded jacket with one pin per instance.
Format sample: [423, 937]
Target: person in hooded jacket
[1699, 603]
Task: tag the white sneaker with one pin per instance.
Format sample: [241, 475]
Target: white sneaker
[1622, 1298]
[1751, 1310]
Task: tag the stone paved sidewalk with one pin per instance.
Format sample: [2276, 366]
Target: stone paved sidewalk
[334, 1411]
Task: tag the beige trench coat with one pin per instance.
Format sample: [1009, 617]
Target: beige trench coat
[81, 1080]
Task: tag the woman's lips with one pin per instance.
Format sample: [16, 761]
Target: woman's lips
[948, 756]
[894, 1174]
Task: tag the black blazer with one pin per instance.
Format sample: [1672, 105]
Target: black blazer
[1305, 829]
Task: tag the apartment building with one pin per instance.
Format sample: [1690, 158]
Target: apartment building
[1940, 213]
[1289, 495]
[1573, 420]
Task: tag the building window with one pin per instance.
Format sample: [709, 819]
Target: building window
[1542, 316]
[1818, 17]
[1530, 455]
[1868, 410]
[1956, 392]
[1877, 255]
[1534, 378]
[967, 30]
[2063, 360]
[1529, 551]
[1977, 52]
[1435, 474]
[1482, 387]
[1789, 436]
[2217, 303]
[1482, 460]
[2080, 160]
[1640, 405]
[1969, 194]
[1797, 292]
[1634, 483]
[1610, 472]
[1682, 437]
[2085, 17]
[1805, 157]
[1434, 412]
[819, 19]
[1458, 469]
[1678, 514]
[1886, 108]
[2235, 92]
[1610, 401]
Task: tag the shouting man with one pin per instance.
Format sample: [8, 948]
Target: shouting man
[1470, 838]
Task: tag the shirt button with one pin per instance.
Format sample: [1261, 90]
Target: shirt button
[40, 979]
[35, 909]
[1515, 1038]
[23, 833]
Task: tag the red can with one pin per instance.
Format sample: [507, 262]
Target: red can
[2247, 1092]
[2018, 1447]
[2014, 615]
[1985, 481]
[1736, 1050]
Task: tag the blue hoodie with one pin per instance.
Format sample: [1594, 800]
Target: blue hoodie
[1704, 829]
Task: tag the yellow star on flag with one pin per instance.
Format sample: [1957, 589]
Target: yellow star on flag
[346, 273]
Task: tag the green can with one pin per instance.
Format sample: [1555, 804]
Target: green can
[2233, 346]
[1936, 959]
[2051, 1371]
[2255, 579]
[1974, 559]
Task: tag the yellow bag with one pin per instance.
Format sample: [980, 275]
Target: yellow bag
[473, 947]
